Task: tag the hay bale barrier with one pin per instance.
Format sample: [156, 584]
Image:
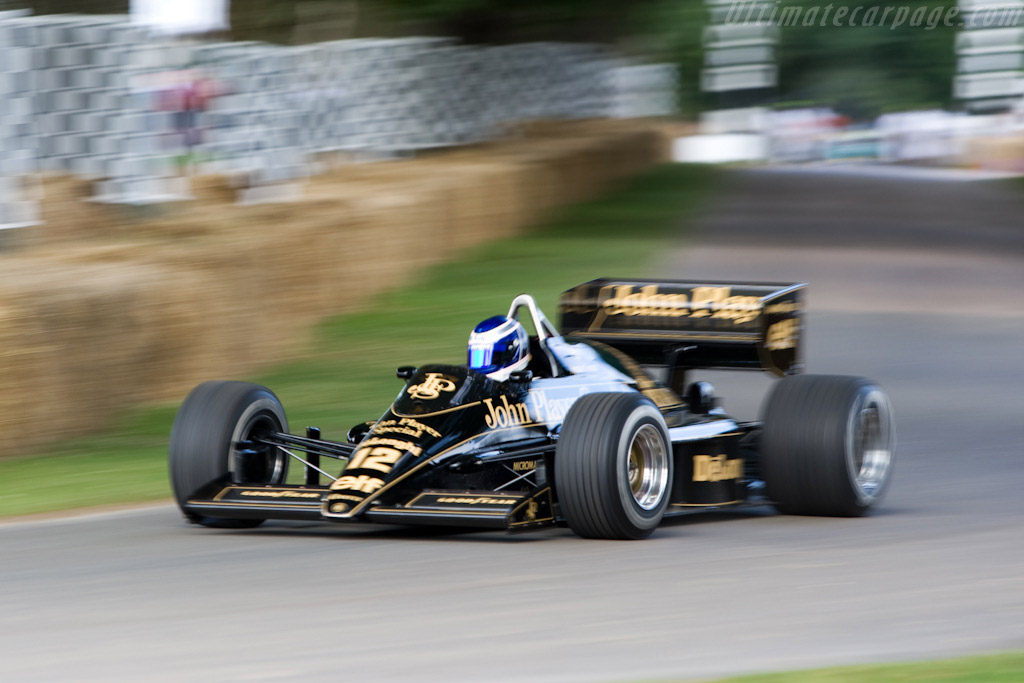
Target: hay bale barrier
[103, 308]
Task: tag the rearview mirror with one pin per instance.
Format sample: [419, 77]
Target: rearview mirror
[700, 397]
[520, 377]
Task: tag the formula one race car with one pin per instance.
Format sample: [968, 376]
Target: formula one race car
[582, 435]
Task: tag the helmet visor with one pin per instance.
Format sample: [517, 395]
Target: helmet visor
[488, 359]
[480, 357]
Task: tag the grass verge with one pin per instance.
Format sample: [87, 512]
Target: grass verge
[1000, 668]
[347, 376]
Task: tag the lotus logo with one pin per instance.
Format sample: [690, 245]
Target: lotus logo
[431, 387]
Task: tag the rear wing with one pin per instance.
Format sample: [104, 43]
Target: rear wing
[684, 324]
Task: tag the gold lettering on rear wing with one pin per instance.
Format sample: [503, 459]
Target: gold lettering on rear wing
[717, 303]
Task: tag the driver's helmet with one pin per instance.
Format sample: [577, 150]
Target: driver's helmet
[498, 347]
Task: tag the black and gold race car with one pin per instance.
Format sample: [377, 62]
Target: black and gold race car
[586, 436]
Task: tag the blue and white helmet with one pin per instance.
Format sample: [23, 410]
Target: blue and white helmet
[498, 347]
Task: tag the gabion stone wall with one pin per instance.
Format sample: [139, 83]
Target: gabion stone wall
[104, 99]
[18, 136]
[641, 90]
[93, 109]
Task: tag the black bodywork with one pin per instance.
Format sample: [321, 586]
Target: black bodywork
[457, 448]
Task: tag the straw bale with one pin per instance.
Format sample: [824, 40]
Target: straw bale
[107, 307]
[75, 340]
[22, 370]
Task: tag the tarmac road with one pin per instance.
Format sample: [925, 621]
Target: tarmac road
[917, 283]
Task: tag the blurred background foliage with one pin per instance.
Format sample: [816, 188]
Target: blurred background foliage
[861, 71]
[865, 71]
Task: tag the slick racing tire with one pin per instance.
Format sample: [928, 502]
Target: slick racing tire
[613, 466]
[828, 445]
[213, 418]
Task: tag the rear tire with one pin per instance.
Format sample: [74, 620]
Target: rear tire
[613, 466]
[201, 455]
[828, 445]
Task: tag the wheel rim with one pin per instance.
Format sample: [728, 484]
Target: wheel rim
[269, 467]
[872, 447]
[648, 467]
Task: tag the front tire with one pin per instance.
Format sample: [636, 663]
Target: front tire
[828, 445]
[613, 466]
[201, 456]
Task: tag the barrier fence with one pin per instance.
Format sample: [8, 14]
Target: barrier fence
[104, 99]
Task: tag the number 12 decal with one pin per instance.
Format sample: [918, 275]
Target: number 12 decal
[380, 458]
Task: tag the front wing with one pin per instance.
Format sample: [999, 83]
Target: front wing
[482, 509]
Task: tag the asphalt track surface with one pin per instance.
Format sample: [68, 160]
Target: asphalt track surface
[917, 283]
